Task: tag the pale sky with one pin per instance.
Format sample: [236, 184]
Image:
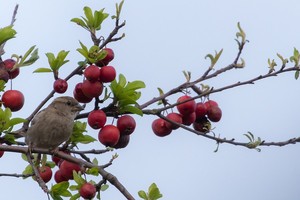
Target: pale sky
[163, 38]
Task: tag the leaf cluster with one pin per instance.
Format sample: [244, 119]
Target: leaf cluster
[153, 193]
[54, 62]
[78, 136]
[92, 21]
[7, 33]
[92, 55]
[126, 95]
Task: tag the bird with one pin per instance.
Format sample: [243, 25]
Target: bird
[53, 125]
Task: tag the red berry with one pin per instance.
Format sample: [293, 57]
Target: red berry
[96, 119]
[45, 173]
[58, 160]
[174, 117]
[58, 177]
[107, 74]
[9, 64]
[122, 142]
[210, 103]
[126, 124]
[87, 191]
[67, 169]
[13, 99]
[109, 135]
[92, 73]
[187, 107]
[92, 89]
[60, 85]
[214, 114]
[200, 110]
[159, 128]
[188, 119]
[79, 96]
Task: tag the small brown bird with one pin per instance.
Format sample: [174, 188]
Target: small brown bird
[53, 125]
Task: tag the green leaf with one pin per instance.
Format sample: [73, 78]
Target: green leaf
[104, 187]
[154, 192]
[28, 170]
[78, 179]
[79, 22]
[131, 109]
[2, 85]
[135, 85]
[93, 171]
[42, 70]
[143, 194]
[60, 188]
[297, 74]
[75, 196]
[89, 16]
[15, 121]
[241, 33]
[34, 56]
[6, 33]
[58, 61]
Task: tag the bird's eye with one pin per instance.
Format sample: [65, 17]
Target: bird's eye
[69, 103]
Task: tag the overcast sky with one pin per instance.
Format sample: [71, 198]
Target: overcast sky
[163, 38]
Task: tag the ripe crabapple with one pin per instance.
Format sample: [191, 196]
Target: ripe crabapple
[96, 119]
[200, 110]
[92, 89]
[9, 64]
[4, 74]
[79, 96]
[13, 99]
[174, 117]
[58, 177]
[187, 107]
[126, 124]
[109, 135]
[107, 74]
[188, 119]
[92, 73]
[45, 173]
[122, 142]
[67, 169]
[210, 103]
[214, 114]
[58, 160]
[109, 57]
[159, 128]
[87, 191]
[60, 86]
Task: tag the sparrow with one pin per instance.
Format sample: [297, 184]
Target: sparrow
[53, 125]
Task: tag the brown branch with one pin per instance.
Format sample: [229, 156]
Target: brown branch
[13, 19]
[231, 141]
[112, 34]
[16, 175]
[38, 178]
[106, 175]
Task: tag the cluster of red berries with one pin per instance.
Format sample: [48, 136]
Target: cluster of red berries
[199, 115]
[95, 76]
[65, 173]
[13, 99]
[110, 135]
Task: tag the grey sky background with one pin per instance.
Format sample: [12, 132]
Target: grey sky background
[162, 39]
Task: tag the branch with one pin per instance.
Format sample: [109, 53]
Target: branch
[231, 141]
[13, 19]
[106, 175]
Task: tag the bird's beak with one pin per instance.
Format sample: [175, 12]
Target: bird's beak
[78, 108]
